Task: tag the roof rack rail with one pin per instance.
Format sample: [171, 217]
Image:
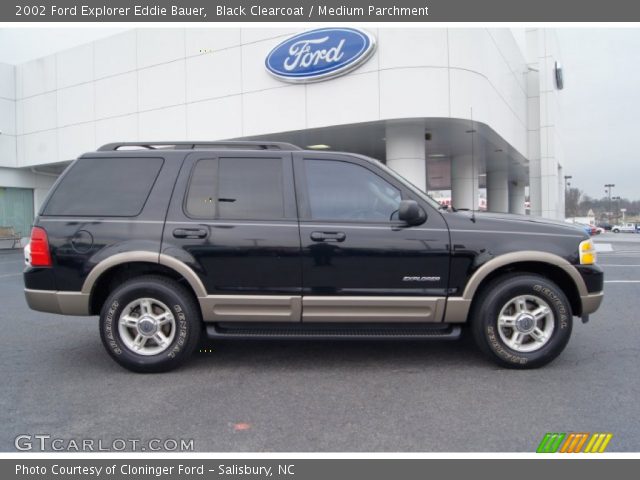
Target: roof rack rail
[240, 145]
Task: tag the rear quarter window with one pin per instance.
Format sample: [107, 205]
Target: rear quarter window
[105, 187]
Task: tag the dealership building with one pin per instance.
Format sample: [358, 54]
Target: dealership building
[468, 113]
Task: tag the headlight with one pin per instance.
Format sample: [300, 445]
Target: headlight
[587, 252]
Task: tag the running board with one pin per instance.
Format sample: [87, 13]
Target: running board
[334, 332]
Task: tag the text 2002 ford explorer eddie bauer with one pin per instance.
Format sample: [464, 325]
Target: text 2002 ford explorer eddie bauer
[263, 240]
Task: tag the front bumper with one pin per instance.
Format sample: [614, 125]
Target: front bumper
[51, 301]
[593, 278]
[591, 302]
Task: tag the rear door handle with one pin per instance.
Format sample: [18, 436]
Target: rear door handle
[328, 236]
[190, 233]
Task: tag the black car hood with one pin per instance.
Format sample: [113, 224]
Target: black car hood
[508, 221]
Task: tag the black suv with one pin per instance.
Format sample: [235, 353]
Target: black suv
[167, 242]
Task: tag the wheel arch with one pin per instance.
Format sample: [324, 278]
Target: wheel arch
[123, 266]
[545, 264]
[552, 272]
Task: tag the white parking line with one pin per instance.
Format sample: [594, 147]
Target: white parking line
[617, 265]
[622, 281]
[615, 252]
[10, 275]
[603, 247]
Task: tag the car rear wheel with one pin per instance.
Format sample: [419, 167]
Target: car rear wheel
[615, 230]
[522, 321]
[150, 324]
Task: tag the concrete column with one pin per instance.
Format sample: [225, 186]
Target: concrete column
[464, 183]
[406, 151]
[498, 190]
[535, 187]
[516, 198]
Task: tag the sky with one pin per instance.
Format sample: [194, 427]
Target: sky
[600, 102]
[601, 109]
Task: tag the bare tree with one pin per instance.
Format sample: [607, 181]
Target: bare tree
[572, 201]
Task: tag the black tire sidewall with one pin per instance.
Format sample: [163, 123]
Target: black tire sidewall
[497, 295]
[182, 307]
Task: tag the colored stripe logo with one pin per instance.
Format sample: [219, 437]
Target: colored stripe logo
[574, 442]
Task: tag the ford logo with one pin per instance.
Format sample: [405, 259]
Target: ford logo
[320, 54]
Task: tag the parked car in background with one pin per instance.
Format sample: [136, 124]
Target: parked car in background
[584, 224]
[588, 229]
[604, 226]
[625, 228]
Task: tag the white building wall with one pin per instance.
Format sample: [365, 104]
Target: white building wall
[520, 37]
[17, 178]
[10, 176]
[204, 83]
[210, 83]
[544, 141]
[487, 74]
[7, 116]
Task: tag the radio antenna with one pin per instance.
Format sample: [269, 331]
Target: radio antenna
[474, 193]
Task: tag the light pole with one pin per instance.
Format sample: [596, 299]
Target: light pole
[617, 200]
[566, 196]
[608, 187]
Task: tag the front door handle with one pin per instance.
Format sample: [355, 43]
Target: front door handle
[190, 233]
[328, 236]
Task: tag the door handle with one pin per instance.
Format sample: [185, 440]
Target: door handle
[328, 236]
[190, 233]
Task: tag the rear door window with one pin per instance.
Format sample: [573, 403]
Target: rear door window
[237, 188]
[105, 187]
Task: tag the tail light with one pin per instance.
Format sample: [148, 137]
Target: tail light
[39, 248]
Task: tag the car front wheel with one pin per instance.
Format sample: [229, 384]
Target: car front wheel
[522, 321]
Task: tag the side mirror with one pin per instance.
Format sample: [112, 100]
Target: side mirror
[410, 212]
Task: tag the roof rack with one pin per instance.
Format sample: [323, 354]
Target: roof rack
[240, 145]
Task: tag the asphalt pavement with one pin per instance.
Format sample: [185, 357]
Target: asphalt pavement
[325, 396]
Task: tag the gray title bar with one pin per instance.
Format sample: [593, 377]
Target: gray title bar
[319, 10]
[316, 469]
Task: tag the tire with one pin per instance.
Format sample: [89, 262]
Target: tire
[168, 332]
[503, 313]
[615, 230]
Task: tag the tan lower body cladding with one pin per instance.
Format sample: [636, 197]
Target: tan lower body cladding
[264, 308]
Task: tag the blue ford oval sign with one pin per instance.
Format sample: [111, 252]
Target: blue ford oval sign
[320, 54]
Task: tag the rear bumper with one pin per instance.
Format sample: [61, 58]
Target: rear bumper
[51, 301]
